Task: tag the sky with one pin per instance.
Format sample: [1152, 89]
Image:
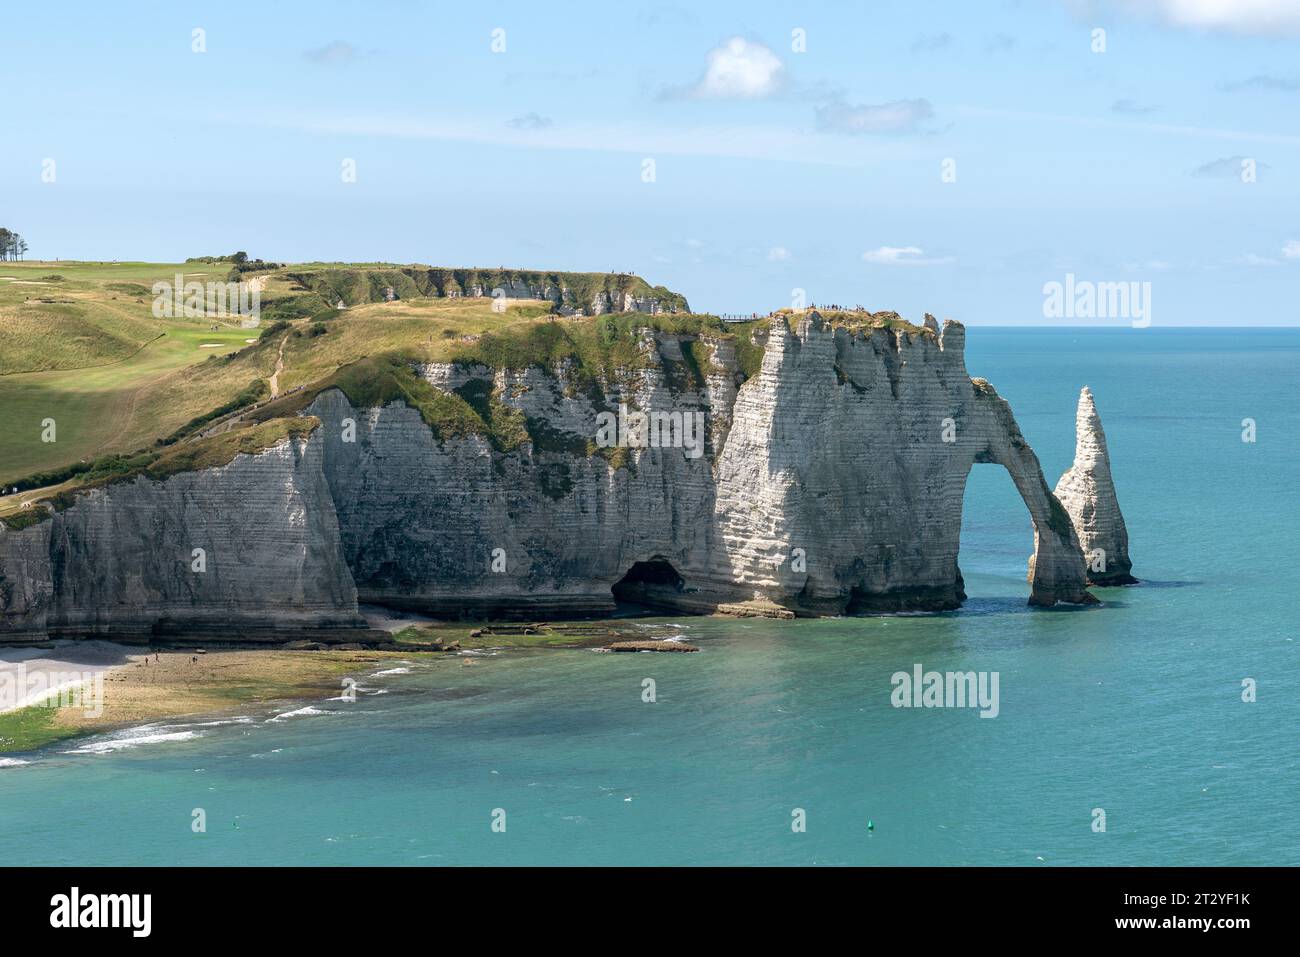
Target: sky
[952, 158]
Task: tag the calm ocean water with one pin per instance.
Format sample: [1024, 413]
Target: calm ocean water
[1134, 707]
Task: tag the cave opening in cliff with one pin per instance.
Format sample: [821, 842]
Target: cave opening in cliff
[651, 584]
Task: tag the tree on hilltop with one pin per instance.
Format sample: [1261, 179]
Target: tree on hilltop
[12, 245]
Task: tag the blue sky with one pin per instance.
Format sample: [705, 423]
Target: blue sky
[774, 168]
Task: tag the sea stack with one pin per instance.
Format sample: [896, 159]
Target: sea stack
[1088, 494]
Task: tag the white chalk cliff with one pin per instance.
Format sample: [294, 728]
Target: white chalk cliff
[831, 481]
[1087, 492]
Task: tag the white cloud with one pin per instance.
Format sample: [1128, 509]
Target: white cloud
[1292, 249]
[737, 69]
[1263, 81]
[903, 256]
[779, 254]
[900, 116]
[1000, 43]
[334, 54]
[640, 138]
[1258, 17]
[1132, 107]
[666, 14]
[1251, 259]
[931, 41]
[1229, 167]
[1106, 122]
[531, 121]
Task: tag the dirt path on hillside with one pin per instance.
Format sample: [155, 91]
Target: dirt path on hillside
[280, 367]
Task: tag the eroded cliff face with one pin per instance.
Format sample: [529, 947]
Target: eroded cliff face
[831, 481]
[246, 551]
[583, 293]
[854, 449]
[595, 303]
[1087, 493]
[546, 529]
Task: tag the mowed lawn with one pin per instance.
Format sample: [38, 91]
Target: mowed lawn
[95, 410]
[97, 350]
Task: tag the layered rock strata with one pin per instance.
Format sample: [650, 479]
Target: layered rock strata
[248, 551]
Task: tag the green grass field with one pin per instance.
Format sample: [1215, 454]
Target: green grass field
[96, 361]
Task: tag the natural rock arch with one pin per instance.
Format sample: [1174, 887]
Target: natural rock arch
[1056, 567]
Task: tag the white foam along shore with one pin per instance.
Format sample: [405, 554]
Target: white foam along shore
[133, 737]
[30, 676]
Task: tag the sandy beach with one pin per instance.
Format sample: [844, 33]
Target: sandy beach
[30, 676]
[81, 687]
[124, 686]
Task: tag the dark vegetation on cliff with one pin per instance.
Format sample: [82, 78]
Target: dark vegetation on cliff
[377, 381]
[606, 349]
[17, 521]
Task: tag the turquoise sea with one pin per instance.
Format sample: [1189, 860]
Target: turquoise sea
[1134, 707]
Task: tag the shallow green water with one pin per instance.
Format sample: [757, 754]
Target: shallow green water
[1134, 707]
